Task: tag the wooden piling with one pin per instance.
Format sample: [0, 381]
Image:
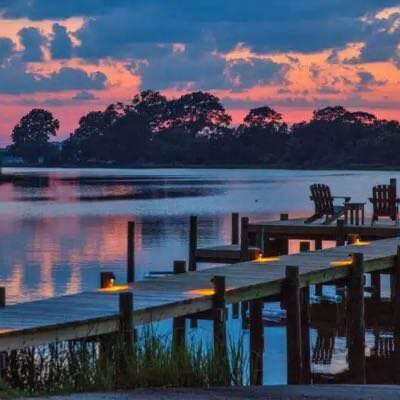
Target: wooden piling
[376, 285]
[396, 324]
[356, 322]
[340, 235]
[256, 342]
[291, 294]
[284, 217]
[304, 247]
[305, 334]
[130, 263]
[318, 287]
[2, 297]
[179, 323]
[219, 320]
[192, 243]
[244, 239]
[235, 228]
[126, 319]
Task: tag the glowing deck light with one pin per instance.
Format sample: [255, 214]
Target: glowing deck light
[359, 242]
[201, 292]
[343, 263]
[266, 259]
[115, 288]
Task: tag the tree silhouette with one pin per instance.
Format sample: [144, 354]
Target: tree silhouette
[30, 137]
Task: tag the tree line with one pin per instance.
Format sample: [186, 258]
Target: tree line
[195, 129]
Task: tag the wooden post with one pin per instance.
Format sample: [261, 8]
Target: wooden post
[256, 342]
[304, 247]
[179, 323]
[282, 244]
[192, 243]
[319, 286]
[397, 320]
[305, 334]
[291, 294]
[340, 236]
[284, 217]
[2, 297]
[376, 285]
[219, 320]
[126, 319]
[235, 228]
[356, 323]
[130, 272]
[244, 239]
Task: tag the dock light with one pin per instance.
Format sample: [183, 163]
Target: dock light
[343, 263]
[201, 292]
[262, 259]
[355, 240]
[107, 280]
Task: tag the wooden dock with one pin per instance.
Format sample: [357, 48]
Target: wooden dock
[182, 295]
[96, 313]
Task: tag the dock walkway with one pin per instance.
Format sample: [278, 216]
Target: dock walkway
[96, 313]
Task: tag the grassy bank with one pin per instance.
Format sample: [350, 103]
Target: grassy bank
[106, 365]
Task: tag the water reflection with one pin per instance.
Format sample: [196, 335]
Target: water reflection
[60, 229]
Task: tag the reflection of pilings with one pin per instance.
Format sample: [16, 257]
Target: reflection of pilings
[324, 347]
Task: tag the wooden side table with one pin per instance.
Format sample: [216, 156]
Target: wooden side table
[354, 211]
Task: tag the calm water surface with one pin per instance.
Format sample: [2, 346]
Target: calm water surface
[60, 230]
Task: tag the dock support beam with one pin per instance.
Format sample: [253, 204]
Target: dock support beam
[356, 323]
[244, 239]
[376, 285]
[256, 342]
[219, 325]
[126, 320]
[235, 228]
[291, 294]
[305, 334]
[319, 286]
[397, 319]
[340, 235]
[179, 323]
[192, 243]
[130, 262]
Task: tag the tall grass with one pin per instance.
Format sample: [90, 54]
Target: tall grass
[106, 364]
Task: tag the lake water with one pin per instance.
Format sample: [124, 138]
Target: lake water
[60, 230]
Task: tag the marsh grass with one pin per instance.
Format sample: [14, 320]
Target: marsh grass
[105, 365]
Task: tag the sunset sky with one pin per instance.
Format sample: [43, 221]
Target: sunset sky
[74, 56]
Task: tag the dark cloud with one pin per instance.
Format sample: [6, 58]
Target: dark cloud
[61, 44]
[15, 79]
[33, 41]
[367, 82]
[84, 95]
[6, 49]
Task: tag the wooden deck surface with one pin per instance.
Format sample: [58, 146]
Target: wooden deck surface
[94, 313]
[297, 229]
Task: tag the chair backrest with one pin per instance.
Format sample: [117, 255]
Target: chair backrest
[384, 201]
[323, 201]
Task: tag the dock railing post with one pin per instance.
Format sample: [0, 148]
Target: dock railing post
[244, 239]
[318, 286]
[192, 243]
[340, 234]
[130, 273]
[291, 295]
[305, 334]
[179, 323]
[397, 319]
[356, 322]
[256, 342]
[126, 320]
[304, 247]
[235, 228]
[219, 325]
